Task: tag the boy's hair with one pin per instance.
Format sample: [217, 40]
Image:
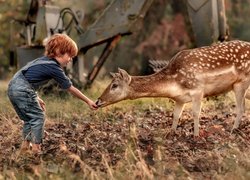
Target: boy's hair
[60, 44]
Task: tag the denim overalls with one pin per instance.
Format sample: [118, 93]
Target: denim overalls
[24, 100]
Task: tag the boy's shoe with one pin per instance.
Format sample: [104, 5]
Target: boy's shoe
[25, 147]
[36, 149]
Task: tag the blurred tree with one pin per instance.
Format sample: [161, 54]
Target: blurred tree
[9, 10]
[237, 15]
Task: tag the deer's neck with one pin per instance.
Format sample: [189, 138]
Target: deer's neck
[155, 85]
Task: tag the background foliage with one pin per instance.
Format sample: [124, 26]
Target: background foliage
[164, 31]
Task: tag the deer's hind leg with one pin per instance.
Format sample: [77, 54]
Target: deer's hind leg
[248, 94]
[240, 90]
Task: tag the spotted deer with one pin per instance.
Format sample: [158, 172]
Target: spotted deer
[188, 77]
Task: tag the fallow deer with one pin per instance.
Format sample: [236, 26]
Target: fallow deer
[189, 76]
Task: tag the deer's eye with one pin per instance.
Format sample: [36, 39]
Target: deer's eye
[113, 86]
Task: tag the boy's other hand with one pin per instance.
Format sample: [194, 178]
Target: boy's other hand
[42, 104]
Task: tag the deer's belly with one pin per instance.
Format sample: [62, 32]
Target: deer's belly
[215, 84]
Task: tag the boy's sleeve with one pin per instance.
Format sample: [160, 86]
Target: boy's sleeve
[59, 75]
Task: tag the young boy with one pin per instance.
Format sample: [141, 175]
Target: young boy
[59, 51]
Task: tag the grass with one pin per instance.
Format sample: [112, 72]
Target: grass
[146, 150]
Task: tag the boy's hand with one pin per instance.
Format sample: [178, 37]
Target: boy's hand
[92, 105]
[42, 104]
[76, 92]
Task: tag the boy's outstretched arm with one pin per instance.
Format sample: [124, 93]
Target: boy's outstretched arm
[77, 93]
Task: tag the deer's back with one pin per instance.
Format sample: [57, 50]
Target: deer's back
[218, 65]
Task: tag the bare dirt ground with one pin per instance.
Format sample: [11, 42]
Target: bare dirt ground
[103, 144]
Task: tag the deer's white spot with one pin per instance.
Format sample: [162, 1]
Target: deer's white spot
[174, 76]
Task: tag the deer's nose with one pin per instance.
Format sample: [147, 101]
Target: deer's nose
[98, 102]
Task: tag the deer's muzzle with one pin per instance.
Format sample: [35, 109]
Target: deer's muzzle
[100, 103]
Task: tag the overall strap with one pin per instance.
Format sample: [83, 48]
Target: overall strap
[42, 60]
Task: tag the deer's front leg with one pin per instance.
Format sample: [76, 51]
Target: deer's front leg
[196, 108]
[178, 108]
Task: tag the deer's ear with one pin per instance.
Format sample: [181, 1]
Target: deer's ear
[112, 74]
[115, 75]
[125, 76]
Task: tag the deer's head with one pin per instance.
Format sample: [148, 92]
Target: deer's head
[117, 90]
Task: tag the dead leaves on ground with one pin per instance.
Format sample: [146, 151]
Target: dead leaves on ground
[101, 144]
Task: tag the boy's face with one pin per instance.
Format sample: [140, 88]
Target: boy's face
[64, 59]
